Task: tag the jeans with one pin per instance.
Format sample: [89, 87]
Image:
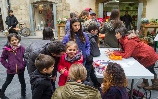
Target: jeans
[21, 79]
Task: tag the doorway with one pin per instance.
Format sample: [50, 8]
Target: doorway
[43, 15]
[1, 21]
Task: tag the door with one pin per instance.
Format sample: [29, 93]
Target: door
[1, 20]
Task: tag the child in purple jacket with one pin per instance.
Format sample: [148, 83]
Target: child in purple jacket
[12, 59]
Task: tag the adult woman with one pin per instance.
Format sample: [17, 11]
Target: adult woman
[114, 83]
[76, 88]
[143, 53]
[109, 29]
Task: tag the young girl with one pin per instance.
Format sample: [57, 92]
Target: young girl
[12, 59]
[114, 83]
[71, 56]
[79, 37]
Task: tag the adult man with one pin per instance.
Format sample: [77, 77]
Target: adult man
[127, 20]
[53, 48]
[11, 21]
[93, 17]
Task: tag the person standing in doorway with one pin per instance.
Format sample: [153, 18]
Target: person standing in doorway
[127, 20]
[11, 21]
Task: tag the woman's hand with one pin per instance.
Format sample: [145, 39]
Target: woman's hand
[109, 52]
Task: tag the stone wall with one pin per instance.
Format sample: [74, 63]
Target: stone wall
[21, 10]
[80, 5]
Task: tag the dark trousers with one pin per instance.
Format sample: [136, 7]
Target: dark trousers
[53, 84]
[91, 74]
[151, 69]
[9, 79]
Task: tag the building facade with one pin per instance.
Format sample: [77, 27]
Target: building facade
[39, 13]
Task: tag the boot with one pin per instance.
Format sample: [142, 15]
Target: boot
[2, 95]
[154, 85]
[143, 84]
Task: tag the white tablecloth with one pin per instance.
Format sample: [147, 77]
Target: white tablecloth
[132, 68]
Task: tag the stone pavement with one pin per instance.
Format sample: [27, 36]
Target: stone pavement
[13, 90]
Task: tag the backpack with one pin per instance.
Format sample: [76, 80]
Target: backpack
[94, 49]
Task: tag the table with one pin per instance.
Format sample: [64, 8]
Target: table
[59, 26]
[132, 71]
[148, 26]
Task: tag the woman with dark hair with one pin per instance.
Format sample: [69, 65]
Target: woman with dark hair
[143, 53]
[48, 34]
[79, 37]
[109, 29]
[84, 16]
[114, 82]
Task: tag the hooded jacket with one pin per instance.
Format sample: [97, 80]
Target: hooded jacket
[40, 85]
[109, 29]
[65, 63]
[75, 90]
[133, 47]
[12, 60]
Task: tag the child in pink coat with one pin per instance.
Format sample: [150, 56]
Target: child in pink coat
[70, 57]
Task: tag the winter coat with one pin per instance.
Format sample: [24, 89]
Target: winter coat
[115, 93]
[65, 63]
[41, 85]
[12, 60]
[75, 90]
[108, 28]
[133, 47]
[33, 50]
[94, 49]
[11, 21]
[84, 47]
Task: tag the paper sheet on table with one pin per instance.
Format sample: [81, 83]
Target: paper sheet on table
[131, 63]
[124, 64]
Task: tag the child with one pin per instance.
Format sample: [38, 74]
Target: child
[94, 52]
[40, 79]
[12, 59]
[79, 37]
[76, 87]
[114, 82]
[71, 56]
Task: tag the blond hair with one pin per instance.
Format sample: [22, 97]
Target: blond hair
[77, 72]
[71, 43]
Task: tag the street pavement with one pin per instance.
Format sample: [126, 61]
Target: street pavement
[13, 90]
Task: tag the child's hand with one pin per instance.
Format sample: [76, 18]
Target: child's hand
[62, 71]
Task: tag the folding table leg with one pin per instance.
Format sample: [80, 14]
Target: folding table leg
[131, 94]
